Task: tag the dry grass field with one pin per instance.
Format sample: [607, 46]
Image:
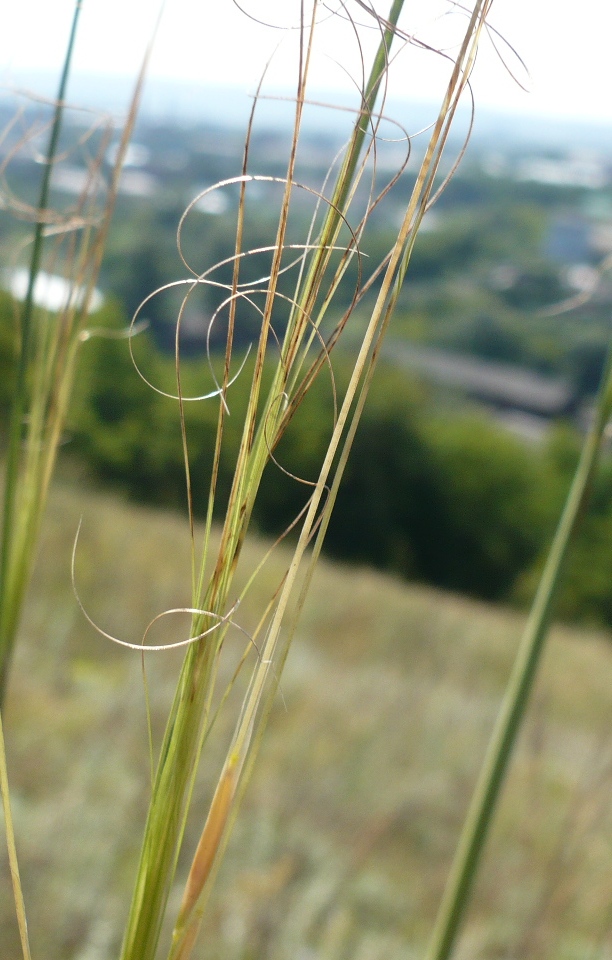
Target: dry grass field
[346, 832]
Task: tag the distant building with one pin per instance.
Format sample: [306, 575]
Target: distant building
[500, 385]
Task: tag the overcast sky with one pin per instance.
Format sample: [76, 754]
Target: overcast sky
[565, 45]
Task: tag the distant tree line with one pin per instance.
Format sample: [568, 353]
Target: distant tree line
[432, 495]
[435, 496]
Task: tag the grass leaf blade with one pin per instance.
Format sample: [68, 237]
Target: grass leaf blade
[486, 794]
[12, 850]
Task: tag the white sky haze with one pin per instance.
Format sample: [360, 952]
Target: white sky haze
[565, 45]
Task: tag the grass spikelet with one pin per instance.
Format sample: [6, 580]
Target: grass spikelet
[190, 916]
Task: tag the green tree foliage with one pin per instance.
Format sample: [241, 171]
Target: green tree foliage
[496, 510]
[454, 502]
[439, 497]
[492, 339]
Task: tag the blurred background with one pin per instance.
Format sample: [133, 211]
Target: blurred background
[458, 475]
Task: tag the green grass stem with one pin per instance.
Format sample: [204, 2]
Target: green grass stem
[47, 361]
[480, 815]
[261, 692]
[180, 750]
[12, 850]
[10, 599]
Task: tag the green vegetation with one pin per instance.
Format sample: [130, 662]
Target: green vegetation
[44, 339]
[344, 839]
[442, 497]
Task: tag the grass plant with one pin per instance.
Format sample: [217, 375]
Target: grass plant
[295, 345]
[12, 850]
[18, 544]
[71, 242]
[480, 814]
[265, 422]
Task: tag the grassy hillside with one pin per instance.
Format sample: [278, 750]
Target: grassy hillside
[348, 826]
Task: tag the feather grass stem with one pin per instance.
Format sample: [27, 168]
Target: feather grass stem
[482, 807]
[184, 733]
[179, 753]
[47, 363]
[261, 692]
[9, 607]
[12, 850]
[365, 362]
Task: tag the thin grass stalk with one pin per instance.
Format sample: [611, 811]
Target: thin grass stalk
[8, 608]
[329, 233]
[189, 919]
[178, 757]
[12, 850]
[381, 316]
[50, 380]
[179, 753]
[345, 183]
[258, 700]
[338, 203]
[198, 586]
[396, 269]
[252, 456]
[270, 423]
[481, 811]
[89, 261]
[50, 367]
